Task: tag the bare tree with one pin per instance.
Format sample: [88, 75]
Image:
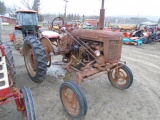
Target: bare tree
[36, 5]
[31, 4]
[27, 3]
[2, 8]
[12, 10]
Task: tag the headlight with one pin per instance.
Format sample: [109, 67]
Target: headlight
[97, 53]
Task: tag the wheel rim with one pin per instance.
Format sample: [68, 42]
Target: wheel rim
[30, 60]
[119, 77]
[24, 111]
[70, 101]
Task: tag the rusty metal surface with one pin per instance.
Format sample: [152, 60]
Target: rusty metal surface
[101, 20]
[112, 50]
[97, 35]
[46, 43]
[70, 101]
[48, 56]
[30, 59]
[112, 42]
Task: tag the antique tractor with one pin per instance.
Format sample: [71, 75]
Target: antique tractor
[89, 52]
[23, 98]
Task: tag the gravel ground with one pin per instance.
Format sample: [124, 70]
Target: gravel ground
[140, 102]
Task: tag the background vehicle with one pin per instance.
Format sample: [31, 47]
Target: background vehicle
[26, 24]
[23, 98]
[146, 32]
[88, 26]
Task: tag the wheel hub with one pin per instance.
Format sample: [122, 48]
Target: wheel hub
[120, 77]
[33, 59]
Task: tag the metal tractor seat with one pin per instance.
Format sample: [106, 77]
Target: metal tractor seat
[50, 34]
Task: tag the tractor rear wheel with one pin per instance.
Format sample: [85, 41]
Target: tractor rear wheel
[18, 42]
[8, 52]
[35, 58]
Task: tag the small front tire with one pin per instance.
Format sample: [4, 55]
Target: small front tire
[121, 78]
[27, 102]
[73, 100]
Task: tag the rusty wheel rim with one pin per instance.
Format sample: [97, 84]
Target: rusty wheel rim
[70, 101]
[30, 60]
[119, 77]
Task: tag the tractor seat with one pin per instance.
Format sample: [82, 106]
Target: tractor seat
[50, 34]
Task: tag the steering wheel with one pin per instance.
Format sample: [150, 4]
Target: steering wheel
[57, 23]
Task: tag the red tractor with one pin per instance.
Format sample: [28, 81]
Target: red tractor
[23, 98]
[26, 24]
[89, 52]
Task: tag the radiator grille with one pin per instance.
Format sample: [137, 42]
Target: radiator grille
[113, 49]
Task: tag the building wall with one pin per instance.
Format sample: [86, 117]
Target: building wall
[8, 20]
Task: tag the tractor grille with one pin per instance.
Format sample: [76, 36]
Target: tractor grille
[113, 49]
[4, 83]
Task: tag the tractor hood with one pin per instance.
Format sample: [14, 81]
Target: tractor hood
[97, 35]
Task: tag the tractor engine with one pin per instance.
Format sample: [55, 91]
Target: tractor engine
[89, 45]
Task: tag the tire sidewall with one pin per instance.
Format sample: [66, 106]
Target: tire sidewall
[28, 41]
[130, 78]
[77, 92]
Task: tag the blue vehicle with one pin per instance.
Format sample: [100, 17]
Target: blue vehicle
[144, 33]
[133, 41]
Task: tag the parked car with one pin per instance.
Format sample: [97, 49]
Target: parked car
[88, 26]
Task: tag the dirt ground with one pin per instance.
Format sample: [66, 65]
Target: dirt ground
[140, 102]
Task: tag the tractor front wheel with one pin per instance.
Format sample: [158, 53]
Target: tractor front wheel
[121, 78]
[35, 58]
[73, 100]
[27, 102]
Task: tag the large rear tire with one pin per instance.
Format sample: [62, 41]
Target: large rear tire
[35, 58]
[8, 52]
[18, 42]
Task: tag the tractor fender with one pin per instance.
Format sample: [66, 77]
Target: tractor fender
[46, 43]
